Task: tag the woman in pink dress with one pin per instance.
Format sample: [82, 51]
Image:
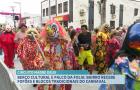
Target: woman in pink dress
[113, 46]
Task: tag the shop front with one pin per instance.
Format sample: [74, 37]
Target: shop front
[63, 20]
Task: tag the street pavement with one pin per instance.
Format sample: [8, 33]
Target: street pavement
[18, 66]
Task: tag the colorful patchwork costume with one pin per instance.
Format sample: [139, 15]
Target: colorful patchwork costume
[100, 53]
[29, 53]
[58, 51]
[127, 60]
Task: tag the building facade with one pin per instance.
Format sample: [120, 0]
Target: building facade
[118, 12]
[78, 12]
[57, 9]
[67, 12]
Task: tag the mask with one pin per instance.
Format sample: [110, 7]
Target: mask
[132, 40]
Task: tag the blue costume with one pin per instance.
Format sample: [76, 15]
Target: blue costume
[125, 61]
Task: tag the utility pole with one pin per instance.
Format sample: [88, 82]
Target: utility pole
[103, 11]
[91, 15]
[50, 9]
[13, 9]
[19, 3]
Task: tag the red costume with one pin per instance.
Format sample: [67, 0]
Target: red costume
[8, 46]
[113, 46]
[28, 52]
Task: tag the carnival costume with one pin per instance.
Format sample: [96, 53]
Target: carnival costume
[100, 53]
[127, 60]
[58, 51]
[29, 53]
[8, 45]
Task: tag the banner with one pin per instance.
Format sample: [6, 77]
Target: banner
[65, 77]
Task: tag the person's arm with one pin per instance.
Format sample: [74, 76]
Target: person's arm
[16, 39]
[20, 49]
[74, 40]
[93, 41]
[117, 44]
[1, 41]
[78, 37]
[90, 41]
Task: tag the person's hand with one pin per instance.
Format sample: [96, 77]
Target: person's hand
[81, 49]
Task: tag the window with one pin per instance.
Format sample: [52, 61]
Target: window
[43, 12]
[65, 8]
[65, 24]
[112, 24]
[135, 12]
[112, 7]
[53, 10]
[60, 8]
[121, 15]
[47, 12]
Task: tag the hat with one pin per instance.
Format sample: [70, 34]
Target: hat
[22, 25]
[8, 26]
[78, 29]
[55, 30]
[32, 30]
[132, 40]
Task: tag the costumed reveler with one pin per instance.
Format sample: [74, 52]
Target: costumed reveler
[112, 48]
[29, 52]
[8, 46]
[20, 34]
[100, 53]
[127, 60]
[58, 51]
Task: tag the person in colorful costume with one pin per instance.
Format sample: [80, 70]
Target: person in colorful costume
[8, 45]
[100, 51]
[58, 51]
[126, 61]
[113, 46]
[29, 53]
[20, 34]
[74, 42]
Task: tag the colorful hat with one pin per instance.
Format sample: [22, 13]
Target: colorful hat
[78, 29]
[22, 25]
[132, 41]
[55, 30]
[8, 27]
[32, 30]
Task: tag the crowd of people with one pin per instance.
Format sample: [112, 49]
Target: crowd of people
[54, 48]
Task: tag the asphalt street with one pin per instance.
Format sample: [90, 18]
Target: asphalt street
[18, 66]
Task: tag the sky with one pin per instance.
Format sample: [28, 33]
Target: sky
[32, 7]
[28, 6]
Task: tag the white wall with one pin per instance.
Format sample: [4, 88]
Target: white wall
[78, 5]
[129, 17]
[117, 12]
[97, 17]
[36, 21]
[44, 6]
[128, 14]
